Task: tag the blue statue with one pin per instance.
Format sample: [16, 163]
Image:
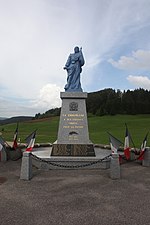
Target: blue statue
[73, 66]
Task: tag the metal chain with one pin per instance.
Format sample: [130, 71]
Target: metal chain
[67, 166]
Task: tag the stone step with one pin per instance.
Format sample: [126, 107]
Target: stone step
[90, 154]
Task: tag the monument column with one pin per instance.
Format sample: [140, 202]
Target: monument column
[73, 134]
[73, 128]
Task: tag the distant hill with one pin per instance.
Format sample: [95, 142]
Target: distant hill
[16, 119]
[3, 118]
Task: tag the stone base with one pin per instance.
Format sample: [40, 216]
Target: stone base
[26, 167]
[115, 167]
[70, 163]
[73, 150]
[146, 160]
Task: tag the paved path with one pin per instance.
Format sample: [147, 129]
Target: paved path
[75, 197]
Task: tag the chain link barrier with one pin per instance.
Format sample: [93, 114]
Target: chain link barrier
[70, 166]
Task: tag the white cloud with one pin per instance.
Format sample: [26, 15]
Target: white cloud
[139, 81]
[49, 97]
[37, 36]
[138, 60]
[10, 108]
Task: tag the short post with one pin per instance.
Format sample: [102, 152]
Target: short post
[115, 167]
[26, 166]
[3, 155]
[146, 160]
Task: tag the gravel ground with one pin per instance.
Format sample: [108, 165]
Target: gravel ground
[75, 197]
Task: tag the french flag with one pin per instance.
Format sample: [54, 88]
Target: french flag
[127, 144]
[114, 143]
[143, 147]
[15, 144]
[30, 141]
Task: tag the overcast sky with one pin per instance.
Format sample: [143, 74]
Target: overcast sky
[37, 36]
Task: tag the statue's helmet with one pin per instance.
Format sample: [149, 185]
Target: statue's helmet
[76, 49]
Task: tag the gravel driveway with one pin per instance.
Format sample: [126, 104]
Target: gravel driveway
[75, 197]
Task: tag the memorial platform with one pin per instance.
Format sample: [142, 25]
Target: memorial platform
[44, 160]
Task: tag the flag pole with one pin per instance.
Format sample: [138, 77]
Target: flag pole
[131, 138]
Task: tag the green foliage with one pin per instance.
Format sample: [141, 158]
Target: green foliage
[111, 102]
[98, 127]
[49, 113]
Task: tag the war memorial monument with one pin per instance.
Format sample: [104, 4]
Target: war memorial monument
[73, 148]
[73, 134]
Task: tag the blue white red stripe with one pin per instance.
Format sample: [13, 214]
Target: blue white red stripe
[127, 144]
[31, 141]
[15, 143]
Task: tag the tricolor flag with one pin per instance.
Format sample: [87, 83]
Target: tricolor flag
[114, 143]
[127, 144]
[15, 144]
[2, 143]
[143, 147]
[30, 141]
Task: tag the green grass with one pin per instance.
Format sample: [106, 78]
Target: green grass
[138, 126]
[46, 130]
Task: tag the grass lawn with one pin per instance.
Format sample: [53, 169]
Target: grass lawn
[138, 126]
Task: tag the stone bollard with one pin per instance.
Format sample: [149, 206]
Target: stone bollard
[115, 167]
[146, 160]
[3, 155]
[26, 167]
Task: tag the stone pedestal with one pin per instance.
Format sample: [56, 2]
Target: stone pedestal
[73, 135]
[115, 167]
[26, 167]
[3, 155]
[146, 160]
